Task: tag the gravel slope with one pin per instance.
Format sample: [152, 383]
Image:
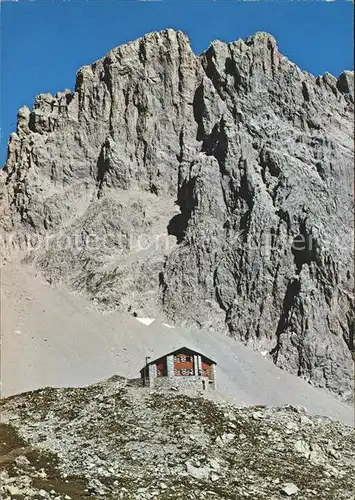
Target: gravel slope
[51, 337]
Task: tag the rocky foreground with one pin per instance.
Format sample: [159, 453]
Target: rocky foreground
[111, 441]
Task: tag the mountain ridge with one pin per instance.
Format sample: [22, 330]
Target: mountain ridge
[112, 441]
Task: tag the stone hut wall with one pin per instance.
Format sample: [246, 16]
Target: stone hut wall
[191, 382]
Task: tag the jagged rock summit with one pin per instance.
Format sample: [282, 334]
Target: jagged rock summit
[212, 189]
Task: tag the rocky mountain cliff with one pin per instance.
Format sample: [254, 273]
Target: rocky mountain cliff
[110, 441]
[212, 189]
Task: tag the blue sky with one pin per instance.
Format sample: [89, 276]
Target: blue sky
[44, 42]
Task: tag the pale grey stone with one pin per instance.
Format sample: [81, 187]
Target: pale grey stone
[12, 490]
[214, 477]
[289, 489]
[214, 463]
[197, 472]
[302, 447]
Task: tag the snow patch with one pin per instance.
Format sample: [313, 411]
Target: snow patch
[146, 321]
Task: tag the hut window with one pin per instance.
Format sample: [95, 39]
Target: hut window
[183, 358]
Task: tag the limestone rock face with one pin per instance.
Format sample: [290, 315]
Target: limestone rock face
[214, 189]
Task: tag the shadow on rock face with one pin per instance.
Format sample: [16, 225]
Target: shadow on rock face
[177, 226]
